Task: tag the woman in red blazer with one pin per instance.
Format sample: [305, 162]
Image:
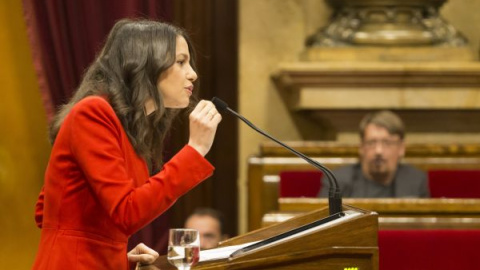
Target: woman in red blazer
[102, 183]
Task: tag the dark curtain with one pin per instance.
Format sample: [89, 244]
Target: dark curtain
[212, 25]
[65, 35]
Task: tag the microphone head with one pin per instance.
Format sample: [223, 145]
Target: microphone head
[220, 104]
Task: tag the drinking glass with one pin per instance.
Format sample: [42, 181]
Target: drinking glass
[183, 248]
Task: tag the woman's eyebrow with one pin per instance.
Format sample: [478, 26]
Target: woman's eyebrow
[183, 54]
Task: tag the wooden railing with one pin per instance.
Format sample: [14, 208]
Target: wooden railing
[393, 213]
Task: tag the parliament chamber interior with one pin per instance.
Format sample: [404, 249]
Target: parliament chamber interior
[360, 62]
[306, 72]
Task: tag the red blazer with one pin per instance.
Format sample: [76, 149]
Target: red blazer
[98, 192]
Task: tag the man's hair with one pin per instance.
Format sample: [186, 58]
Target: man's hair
[386, 119]
[205, 211]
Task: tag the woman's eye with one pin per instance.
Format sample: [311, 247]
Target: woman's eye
[181, 62]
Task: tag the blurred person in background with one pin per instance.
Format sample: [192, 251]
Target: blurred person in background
[209, 223]
[380, 173]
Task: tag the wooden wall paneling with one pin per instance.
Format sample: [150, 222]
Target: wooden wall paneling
[212, 25]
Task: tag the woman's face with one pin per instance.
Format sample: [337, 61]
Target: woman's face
[176, 83]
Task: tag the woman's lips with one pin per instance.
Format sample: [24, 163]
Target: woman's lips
[189, 89]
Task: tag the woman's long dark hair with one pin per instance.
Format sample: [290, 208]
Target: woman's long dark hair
[136, 52]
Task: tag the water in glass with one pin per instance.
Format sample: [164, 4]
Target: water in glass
[183, 248]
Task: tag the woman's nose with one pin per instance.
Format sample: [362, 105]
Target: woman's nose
[192, 75]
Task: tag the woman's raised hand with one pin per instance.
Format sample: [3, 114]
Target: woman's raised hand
[204, 120]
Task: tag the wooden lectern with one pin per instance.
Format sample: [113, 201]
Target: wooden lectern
[344, 244]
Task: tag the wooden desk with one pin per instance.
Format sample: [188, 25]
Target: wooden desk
[341, 243]
[394, 213]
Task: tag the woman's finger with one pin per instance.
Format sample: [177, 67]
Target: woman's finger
[143, 254]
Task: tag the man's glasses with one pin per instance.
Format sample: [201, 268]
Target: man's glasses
[383, 143]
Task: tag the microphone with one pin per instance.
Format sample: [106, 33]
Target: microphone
[334, 194]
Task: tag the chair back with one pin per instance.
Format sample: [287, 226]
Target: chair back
[428, 249]
[454, 183]
[300, 183]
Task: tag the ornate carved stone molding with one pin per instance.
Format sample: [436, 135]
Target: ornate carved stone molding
[387, 23]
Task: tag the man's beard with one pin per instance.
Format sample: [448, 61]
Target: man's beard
[380, 177]
[378, 171]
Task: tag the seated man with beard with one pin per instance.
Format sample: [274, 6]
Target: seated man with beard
[380, 173]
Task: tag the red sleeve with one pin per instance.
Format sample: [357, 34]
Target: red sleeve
[96, 132]
[39, 209]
